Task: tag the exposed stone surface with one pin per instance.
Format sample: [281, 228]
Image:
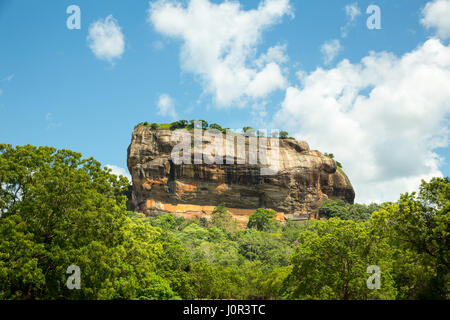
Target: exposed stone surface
[304, 179]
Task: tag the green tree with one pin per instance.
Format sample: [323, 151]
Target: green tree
[57, 210]
[191, 124]
[331, 262]
[248, 131]
[334, 208]
[418, 225]
[272, 283]
[222, 218]
[331, 156]
[158, 289]
[164, 221]
[266, 247]
[217, 127]
[180, 124]
[284, 134]
[216, 282]
[261, 219]
[345, 211]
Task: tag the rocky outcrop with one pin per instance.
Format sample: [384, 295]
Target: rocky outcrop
[303, 180]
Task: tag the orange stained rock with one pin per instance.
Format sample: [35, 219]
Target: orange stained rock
[161, 181]
[186, 187]
[222, 187]
[197, 211]
[148, 184]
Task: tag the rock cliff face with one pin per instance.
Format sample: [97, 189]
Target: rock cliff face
[304, 179]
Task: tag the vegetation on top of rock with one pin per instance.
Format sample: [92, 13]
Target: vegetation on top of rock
[331, 156]
[285, 135]
[191, 124]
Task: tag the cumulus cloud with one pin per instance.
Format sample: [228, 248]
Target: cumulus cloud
[330, 50]
[275, 54]
[166, 106]
[106, 39]
[352, 12]
[118, 171]
[220, 42]
[382, 118]
[436, 15]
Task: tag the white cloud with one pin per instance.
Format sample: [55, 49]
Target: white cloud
[436, 15]
[1, 92]
[166, 106]
[265, 81]
[382, 117]
[301, 75]
[106, 39]
[330, 50]
[219, 43]
[118, 171]
[275, 54]
[352, 12]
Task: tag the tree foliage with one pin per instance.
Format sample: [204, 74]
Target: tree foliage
[58, 209]
[331, 262]
[419, 225]
[222, 218]
[345, 211]
[262, 219]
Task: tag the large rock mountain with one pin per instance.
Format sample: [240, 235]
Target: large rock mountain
[304, 179]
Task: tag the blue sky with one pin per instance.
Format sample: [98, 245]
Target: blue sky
[55, 91]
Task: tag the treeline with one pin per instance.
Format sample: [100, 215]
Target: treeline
[58, 209]
[202, 124]
[183, 124]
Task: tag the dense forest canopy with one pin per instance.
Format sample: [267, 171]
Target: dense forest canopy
[58, 209]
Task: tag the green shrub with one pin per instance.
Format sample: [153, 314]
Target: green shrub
[284, 134]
